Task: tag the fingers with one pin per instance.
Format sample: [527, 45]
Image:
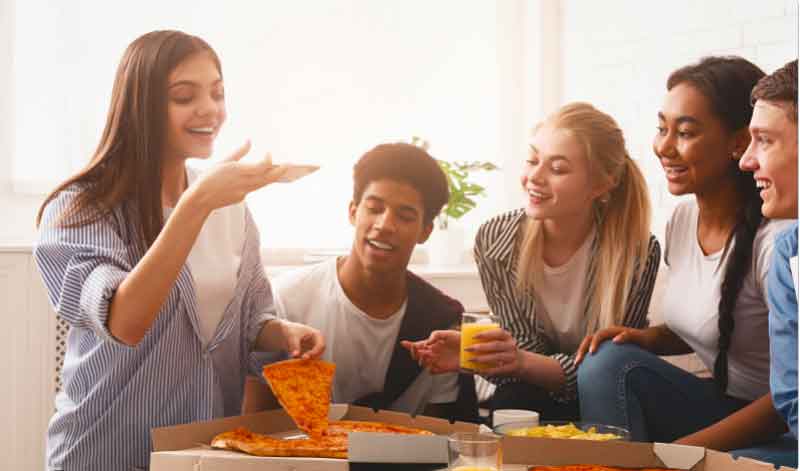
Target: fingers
[495, 334]
[317, 345]
[258, 175]
[238, 153]
[601, 337]
[411, 347]
[501, 365]
[293, 345]
[623, 337]
[446, 336]
[582, 348]
[485, 348]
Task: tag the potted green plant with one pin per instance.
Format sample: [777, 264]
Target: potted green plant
[446, 242]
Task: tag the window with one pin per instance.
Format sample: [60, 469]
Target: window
[311, 81]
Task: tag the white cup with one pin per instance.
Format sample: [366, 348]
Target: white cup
[503, 416]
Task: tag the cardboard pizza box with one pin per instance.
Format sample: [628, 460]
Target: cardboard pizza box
[548, 451]
[185, 447]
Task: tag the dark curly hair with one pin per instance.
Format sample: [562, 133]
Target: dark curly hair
[405, 163]
[726, 82]
[780, 86]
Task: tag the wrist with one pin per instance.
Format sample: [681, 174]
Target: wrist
[194, 199]
[519, 367]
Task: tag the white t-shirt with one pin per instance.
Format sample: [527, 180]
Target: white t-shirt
[692, 294]
[561, 312]
[214, 262]
[359, 345]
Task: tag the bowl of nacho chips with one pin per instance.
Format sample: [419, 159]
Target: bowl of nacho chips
[564, 429]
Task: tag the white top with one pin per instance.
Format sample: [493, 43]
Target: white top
[359, 345]
[214, 261]
[562, 312]
[692, 300]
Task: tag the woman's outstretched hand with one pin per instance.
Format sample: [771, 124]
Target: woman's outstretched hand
[229, 181]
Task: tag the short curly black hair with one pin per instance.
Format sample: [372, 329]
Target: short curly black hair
[404, 163]
[780, 86]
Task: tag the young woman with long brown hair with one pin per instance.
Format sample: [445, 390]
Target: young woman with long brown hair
[155, 267]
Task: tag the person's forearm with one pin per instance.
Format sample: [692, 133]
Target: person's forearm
[756, 422]
[139, 298]
[663, 341]
[541, 370]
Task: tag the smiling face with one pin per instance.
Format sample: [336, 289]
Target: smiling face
[195, 107]
[389, 222]
[556, 178]
[693, 145]
[772, 157]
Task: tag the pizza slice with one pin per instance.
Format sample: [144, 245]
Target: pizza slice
[256, 444]
[303, 388]
[332, 445]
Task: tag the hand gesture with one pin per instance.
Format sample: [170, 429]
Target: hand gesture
[439, 353]
[497, 348]
[617, 334]
[302, 341]
[229, 181]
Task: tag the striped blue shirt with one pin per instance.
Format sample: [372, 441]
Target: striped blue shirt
[114, 394]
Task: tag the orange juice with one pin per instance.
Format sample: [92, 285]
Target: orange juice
[468, 332]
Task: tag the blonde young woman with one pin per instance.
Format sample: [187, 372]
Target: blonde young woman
[578, 257]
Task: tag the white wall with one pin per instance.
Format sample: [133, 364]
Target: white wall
[617, 54]
[16, 211]
[519, 46]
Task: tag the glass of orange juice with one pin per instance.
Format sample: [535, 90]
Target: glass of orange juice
[473, 323]
[474, 451]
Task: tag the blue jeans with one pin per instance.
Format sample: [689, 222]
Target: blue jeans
[629, 387]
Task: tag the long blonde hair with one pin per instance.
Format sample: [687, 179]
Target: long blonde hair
[623, 222]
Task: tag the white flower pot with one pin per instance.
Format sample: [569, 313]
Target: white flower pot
[445, 246]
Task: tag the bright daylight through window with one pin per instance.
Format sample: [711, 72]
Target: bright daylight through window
[313, 82]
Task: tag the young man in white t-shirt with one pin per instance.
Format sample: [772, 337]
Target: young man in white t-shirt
[367, 302]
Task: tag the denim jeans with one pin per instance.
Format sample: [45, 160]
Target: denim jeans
[626, 386]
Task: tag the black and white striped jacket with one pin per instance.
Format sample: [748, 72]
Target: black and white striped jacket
[496, 254]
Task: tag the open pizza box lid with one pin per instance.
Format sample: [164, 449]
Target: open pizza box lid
[185, 447]
[546, 451]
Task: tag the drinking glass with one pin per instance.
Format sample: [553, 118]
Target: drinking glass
[473, 323]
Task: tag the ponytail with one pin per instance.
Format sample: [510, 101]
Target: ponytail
[624, 241]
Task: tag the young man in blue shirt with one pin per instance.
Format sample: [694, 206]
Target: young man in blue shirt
[772, 157]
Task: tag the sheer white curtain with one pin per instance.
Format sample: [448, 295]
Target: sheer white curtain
[310, 81]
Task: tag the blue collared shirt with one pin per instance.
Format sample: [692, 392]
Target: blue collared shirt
[114, 394]
[783, 327]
